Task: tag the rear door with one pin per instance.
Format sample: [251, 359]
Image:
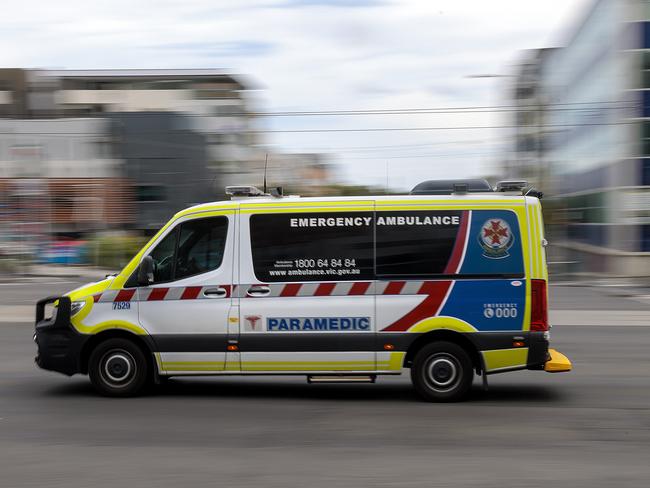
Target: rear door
[456, 267]
[306, 292]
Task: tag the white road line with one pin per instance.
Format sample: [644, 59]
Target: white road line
[40, 283]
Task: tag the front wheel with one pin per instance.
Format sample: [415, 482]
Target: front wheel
[442, 372]
[118, 368]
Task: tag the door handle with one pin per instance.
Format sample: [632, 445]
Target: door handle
[258, 291]
[215, 293]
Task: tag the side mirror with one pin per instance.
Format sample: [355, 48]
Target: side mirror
[145, 271]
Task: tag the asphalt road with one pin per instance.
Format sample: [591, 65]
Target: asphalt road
[590, 427]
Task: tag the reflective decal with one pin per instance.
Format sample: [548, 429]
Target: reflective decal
[339, 324]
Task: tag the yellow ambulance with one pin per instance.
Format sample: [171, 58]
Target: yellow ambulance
[449, 281]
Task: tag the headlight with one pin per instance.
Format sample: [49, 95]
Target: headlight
[75, 307]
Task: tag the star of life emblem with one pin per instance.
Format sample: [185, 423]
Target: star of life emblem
[251, 321]
[496, 238]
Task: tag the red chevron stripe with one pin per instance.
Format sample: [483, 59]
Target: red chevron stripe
[325, 289]
[429, 307]
[124, 295]
[191, 292]
[359, 288]
[394, 287]
[157, 294]
[290, 290]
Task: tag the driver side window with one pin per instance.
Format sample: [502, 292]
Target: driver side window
[163, 257]
[193, 247]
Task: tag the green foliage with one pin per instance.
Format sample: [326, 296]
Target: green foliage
[114, 251]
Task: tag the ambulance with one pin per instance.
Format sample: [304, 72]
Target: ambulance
[449, 282]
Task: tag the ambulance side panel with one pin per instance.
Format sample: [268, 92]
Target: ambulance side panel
[306, 294]
[473, 281]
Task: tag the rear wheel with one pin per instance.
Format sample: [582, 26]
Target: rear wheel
[442, 372]
[118, 367]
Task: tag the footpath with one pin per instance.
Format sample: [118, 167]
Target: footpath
[56, 271]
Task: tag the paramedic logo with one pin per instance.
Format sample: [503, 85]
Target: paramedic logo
[251, 321]
[496, 238]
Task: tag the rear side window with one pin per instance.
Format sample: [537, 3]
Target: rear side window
[455, 243]
[332, 246]
[416, 243]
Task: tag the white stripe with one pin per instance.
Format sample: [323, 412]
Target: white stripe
[371, 289]
[467, 232]
[308, 289]
[108, 296]
[343, 288]
[411, 288]
[276, 290]
[175, 293]
[444, 300]
[143, 294]
[381, 287]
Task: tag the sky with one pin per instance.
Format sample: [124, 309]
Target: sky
[322, 55]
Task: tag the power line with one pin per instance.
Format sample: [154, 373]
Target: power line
[440, 128]
[579, 106]
[401, 146]
[418, 156]
[446, 110]
[364, 129]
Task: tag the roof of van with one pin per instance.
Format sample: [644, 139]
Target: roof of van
[297, 200]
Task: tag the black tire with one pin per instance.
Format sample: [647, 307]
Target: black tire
[442, 372]
[118, 368]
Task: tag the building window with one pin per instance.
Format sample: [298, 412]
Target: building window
[150, 193]
[645, 171]
[644, 245]
[645, 103]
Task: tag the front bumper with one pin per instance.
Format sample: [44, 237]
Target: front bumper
[59, 344]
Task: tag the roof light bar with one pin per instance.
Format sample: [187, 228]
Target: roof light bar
[244, 191]
[511, 185]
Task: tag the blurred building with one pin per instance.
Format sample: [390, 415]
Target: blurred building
[165, 159]
[59, 176]
[215, 99]
[301, 173]
[37, 93]
[85, 151]
[594, 153]
[529, 114]
[154, 138]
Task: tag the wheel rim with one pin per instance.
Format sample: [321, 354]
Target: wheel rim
[117, 368]
[442, 372]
